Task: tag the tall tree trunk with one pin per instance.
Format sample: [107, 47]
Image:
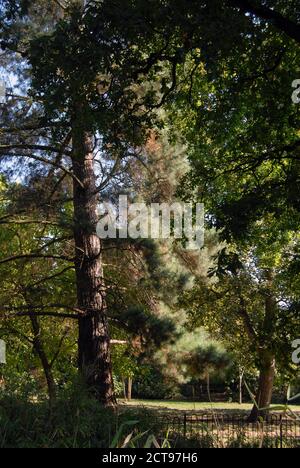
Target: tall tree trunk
[124, 388]
[94, 340]
[40, 351]
[241, 376]
[266, 355]
[208, 386]
[129, 389]
[265, 388]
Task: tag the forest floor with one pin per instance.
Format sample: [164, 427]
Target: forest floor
[193, 407]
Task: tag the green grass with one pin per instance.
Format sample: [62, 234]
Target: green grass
[191, 406]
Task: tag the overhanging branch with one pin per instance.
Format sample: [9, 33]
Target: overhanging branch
[284, 24]
[37, 256]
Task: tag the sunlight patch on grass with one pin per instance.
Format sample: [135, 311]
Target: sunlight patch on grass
[191, 406]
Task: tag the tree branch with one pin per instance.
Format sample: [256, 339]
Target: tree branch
[25, 146]
[58, 349]
[49, 278]
[45, 161]
[247, 321]
[29, 256]
[40, 314]
[41, 311]
[289, 27]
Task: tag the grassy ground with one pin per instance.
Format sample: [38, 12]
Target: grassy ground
[187, 406]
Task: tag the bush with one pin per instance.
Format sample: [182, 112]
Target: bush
[75, 420]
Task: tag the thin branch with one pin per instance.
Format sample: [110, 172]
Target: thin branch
[25, 146]
[32, 255]
[52, 242]
[49, 278]
[42, 307]
[172, 87]
[21, 98]
[45, 161]
[63, 7]
[58, 349]
[30, 221]
[29, 128]
[118, 342]
[40, 314]
[14, 331]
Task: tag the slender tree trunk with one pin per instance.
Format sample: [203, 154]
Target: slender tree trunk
[266, 355]
[124, 388]
[208, 387]
[94, 340]
[129, 389]
[40, 351]
[241, 376]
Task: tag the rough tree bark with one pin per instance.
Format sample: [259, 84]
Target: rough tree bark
[94, 340]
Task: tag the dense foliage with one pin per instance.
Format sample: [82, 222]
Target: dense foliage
[162, 101]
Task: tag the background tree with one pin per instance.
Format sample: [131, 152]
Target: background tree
[203, 362]
[251, 307]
